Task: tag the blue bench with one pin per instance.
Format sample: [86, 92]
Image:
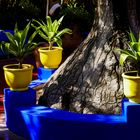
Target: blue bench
[34, 122]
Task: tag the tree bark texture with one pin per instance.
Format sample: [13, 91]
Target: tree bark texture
[89, 81]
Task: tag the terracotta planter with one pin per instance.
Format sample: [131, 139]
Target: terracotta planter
[131, 84]
[18, 79]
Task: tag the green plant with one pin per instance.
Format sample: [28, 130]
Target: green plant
[132, 52]
[19, 45]
[22, 11]
[50, 31]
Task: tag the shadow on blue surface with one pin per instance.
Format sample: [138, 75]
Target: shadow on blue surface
[25, 118]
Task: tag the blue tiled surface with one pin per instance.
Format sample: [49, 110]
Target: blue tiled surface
[35, 122]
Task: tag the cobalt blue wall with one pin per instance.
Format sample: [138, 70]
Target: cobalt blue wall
[3, 37]
[13, 100]
[35, 122]
[44, 74]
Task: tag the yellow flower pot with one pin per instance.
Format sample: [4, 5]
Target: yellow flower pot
[50, 58]
[131, 84]
[18, 79]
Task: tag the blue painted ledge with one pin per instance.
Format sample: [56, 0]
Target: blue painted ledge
[33, 122]
[43, 75]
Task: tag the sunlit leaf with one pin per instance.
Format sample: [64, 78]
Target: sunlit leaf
[18, 44]
[50, 30]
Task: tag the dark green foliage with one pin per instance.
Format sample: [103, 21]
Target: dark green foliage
[76, 14]
[20, 11]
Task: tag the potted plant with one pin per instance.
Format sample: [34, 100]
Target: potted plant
[51, 56]
[19, 75]
[131, 79]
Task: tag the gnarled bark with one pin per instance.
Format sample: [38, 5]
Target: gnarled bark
[89, 81]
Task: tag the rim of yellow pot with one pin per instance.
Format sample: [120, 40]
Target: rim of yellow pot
[7, 67]
[130, 76]
[44, 49]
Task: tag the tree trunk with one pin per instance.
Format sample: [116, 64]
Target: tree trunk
[89, 81]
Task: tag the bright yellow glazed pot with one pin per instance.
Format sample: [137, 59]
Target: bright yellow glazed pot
[50, 58]
[18, 79]
[131, 84]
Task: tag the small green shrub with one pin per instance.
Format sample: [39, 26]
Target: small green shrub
[131, 53]
[20, 44]
[50, 32]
